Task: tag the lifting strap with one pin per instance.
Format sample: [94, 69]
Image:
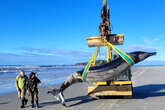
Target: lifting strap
[124, 56]
[85, 72]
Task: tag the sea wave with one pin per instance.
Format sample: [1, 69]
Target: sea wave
[49, 75]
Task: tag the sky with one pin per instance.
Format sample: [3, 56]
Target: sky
[54, 32]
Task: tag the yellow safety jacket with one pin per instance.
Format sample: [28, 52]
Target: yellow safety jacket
[21, 82]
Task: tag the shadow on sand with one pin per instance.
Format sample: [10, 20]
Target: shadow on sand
[83, 99]
[2, 103]
[145, 91]
[44, 104]
[140, 92]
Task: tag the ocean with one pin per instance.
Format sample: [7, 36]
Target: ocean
[49, 75]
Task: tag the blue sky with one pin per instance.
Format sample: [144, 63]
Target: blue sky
[38, 32]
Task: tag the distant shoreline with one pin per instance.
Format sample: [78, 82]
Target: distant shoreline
[136, 66]
[68, 65]
[146, 65]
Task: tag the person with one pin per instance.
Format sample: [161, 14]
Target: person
[21, 86]
[33, 88]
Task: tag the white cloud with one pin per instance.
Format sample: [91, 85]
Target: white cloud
[45, 56]
[150, 41]
[162, 36]
[56, 52]
[140, 48]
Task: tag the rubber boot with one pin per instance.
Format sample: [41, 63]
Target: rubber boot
[25, 101]
[32, 102]
[37, 104]
[22, 102]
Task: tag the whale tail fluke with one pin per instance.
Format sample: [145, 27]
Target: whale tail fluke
[61, 99]
[58, 96]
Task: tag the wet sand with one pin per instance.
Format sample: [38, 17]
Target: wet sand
[149, 94]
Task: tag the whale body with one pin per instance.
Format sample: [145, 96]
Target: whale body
[104, 72]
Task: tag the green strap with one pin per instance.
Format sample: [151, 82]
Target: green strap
[85, 72]
[125, 57]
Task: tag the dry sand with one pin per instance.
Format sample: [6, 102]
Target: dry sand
[149, 94]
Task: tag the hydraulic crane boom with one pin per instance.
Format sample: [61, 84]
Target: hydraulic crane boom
[120, 85]
[105, 30]
[104, 27]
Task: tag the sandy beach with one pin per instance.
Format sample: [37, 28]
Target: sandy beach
[149, 94]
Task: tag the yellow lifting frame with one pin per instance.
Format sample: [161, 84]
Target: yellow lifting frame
[112, 83]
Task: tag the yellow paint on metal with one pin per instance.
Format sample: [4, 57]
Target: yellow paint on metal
[99, 83]
[98, 50]
[108, 54]
[113, 83]
[121, 82]
[104, 3]
[125, 90]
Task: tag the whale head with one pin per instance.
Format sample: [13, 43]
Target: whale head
[139, 56]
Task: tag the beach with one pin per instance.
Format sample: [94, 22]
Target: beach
[49, 75]
[148, 87]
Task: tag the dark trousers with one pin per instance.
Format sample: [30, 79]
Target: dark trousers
[34, 97]
[21, 95]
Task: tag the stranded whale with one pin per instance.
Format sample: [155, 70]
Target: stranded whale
[104, 72]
